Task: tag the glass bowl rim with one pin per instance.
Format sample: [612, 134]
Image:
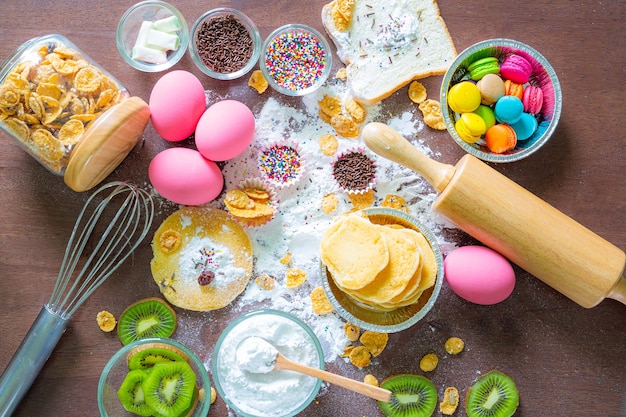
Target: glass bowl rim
[393, 328]
[254, 34]
[554, 80]
[269, 312]
[121, 354]
[327, 68]
[173, 58]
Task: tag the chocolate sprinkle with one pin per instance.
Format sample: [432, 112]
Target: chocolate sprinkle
[224, 44]
[354, 171]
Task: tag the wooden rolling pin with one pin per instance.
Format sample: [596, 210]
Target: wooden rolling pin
[511, 220]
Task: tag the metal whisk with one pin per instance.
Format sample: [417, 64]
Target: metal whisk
[120, 232]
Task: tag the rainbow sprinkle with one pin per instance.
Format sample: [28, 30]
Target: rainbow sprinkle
[280, 163]
[295, 60]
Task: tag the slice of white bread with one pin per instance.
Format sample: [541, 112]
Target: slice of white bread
[389, 43]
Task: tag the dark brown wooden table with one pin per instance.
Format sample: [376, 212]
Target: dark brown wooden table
[566, 360]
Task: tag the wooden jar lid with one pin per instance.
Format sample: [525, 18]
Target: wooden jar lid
[106, 143]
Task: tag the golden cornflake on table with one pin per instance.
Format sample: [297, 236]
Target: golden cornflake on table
[265, 282]
[352, 331]
[319, 302]
[396, 202]
[417, 92]
[450, 401]
[295, 277]
[429, 362]
[258, 81]
[431, 110]
[371, 380]
[454, 345]
[360, 356]
[329, 203]
[251, 204]
[355, 110]
[330, 105]
[374, 342]
[345, 126]
[106, 321]
[328, 144]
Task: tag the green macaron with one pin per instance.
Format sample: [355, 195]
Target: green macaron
[478, 69]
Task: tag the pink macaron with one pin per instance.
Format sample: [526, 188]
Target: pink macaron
[533, 99]
[516, 68]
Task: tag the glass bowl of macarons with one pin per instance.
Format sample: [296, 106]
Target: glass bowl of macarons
[501, 100]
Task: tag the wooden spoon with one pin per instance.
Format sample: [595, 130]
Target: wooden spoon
[280, 362]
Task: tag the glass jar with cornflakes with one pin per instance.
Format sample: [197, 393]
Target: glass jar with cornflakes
[67, 111]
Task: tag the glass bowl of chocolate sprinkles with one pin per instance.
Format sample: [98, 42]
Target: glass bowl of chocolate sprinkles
[225, 44]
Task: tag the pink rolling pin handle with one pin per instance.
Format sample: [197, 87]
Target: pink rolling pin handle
[618, 292]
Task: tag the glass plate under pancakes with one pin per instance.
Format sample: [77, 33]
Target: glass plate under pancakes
[387, 321]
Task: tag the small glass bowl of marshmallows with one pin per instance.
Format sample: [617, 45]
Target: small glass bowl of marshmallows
[152, 36]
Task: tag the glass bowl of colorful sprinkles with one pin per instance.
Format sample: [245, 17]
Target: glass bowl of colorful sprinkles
[296, 59]
[225, 43]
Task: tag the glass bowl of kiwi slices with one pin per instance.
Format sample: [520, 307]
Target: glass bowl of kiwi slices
[154, 376]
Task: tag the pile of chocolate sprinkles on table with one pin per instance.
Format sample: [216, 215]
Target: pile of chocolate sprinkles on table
[224, 44]
[354, 171]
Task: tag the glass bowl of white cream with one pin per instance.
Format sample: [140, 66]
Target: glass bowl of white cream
[269, 394]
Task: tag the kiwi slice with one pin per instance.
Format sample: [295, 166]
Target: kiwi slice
[150, 317]
[170, 388]
[131, 393]
[146, 356]
[492, 395]
[411, 395]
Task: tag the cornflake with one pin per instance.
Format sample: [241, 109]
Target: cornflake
[287, 259]
[371, 380]
[169, 241]
[352, 331]
[330, 105]
[360, 356]
[320, 302]
[396, 202]
[374, 342]
[265, 282]
[106, 321]
[429, 362]
[454, 345]
[258, 81]
[341, 74]
[450, 401]
[328, 144]
[329, 203]
[417, 92]
[431, 110]
[345, 126]
[355, 110]
[295, 277]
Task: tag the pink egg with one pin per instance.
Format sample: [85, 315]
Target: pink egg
[176, 103]
[184, 176]
[479, 275]
[225, 130]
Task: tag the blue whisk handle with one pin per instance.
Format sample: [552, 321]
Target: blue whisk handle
[29, 358]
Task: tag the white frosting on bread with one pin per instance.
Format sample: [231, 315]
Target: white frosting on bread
[390, 43]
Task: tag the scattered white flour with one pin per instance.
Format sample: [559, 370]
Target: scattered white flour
[300, 222]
